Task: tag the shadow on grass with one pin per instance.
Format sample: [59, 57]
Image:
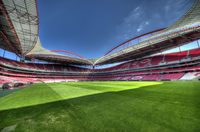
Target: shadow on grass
[46, 93]
[151, 108]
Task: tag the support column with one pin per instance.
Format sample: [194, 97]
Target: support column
[198, 43]
[4, 52]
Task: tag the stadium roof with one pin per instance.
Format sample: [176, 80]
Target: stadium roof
[19, 22]
[19, 34]
[38, 52]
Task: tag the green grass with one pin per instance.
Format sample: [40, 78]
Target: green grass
[103, 107]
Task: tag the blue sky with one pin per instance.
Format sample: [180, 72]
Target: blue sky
[92, 27]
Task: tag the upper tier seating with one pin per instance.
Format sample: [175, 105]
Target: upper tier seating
[194, 53]
[156, 60]
[151, 61]
[145, 63]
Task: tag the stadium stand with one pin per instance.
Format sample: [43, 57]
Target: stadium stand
[148, 69]
[190, 76]
[137, 60]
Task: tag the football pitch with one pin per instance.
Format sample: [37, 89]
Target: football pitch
[103, 107]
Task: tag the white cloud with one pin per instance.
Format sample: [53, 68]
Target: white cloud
[167, 8]
[134, 24]
[147, 22]
[142, 26]
[134, 14]
[139, 29]
[131, 23]
[137, 8]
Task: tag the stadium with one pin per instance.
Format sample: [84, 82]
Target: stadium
[135, 86]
